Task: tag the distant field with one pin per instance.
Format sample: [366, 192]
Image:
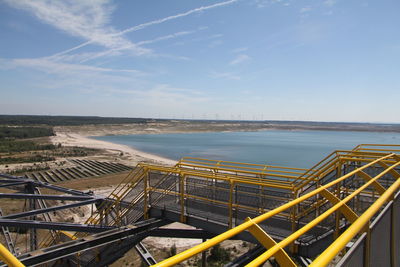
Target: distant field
[65, 120]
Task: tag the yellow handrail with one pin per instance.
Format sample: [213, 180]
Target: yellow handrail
[244, 226]
[355, 228]
[269, 253]
[8, 258]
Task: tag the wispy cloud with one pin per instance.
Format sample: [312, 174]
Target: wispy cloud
[305, 9]
[225, 75]
[90, 20]
[85, 19]
[215, 43]
[330, 3]
[163, 96]
[154, 22]
[187, 13]
[239, 59]
[50, 66]
[240, 50]
[117, 51]
[265, 3]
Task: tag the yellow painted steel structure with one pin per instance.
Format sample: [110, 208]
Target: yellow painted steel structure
[382, 157]
[309, 196]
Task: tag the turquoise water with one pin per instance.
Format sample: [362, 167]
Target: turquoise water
[285, 148]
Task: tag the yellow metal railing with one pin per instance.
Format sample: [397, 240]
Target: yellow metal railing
[248, 169]
[355, 228]
[8, 258]
[305, 191]
[338, 205]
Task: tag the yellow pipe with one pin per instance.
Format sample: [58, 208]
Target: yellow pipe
[8, 258]
[340, 243]
[234, 231]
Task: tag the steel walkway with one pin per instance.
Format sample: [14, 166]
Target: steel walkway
[326, 213]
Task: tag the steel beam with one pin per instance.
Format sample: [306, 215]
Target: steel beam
[41, 211]
[53, 225]
[182, 233]
[36, 196]
[43, 184]
[136, 232]
[60, 189]
[7, 176]
[13, 184]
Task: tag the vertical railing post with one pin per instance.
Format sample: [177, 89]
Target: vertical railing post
[231, 187]
[182, 196]
[367, 248]
[293, 217]
[393, 227]
[337, 193]
[204, 256]
[145, 196]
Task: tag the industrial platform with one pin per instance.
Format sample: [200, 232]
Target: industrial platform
[344, 211]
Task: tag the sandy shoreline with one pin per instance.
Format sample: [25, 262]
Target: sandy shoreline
[131, 155]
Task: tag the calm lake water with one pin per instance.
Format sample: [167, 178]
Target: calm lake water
[284, 148]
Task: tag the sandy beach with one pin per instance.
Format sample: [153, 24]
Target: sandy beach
[126, 154]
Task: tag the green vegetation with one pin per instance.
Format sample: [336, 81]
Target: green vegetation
[172, 250]
[218, 257]
[24, 132]
[65, 120]
[9, 142]
[36, 158]
[73, 151]
[10, 146]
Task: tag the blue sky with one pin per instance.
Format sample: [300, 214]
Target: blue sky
[328, 60]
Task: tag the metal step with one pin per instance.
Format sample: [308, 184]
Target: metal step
[7, 237]
[145, 254]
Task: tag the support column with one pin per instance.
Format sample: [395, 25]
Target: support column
[204, 256]
[30, 189]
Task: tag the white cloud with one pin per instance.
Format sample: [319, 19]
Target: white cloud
[225, 75]
[187, 13]
[265, 3]
[330, 3]
[117, 51]
[164, 94]
[154, 22]
[215, 43]
[86, 19]
[240, 49]
[305, 9]
[50, 66]
[240, 59]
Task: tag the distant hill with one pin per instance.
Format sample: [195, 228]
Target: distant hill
[195, 125]
[64, 120]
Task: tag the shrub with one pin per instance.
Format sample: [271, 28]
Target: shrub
[218, 254]
[172, 250]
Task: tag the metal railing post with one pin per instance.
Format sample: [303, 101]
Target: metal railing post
[145, 196]
[231, 187]
[182, 196]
